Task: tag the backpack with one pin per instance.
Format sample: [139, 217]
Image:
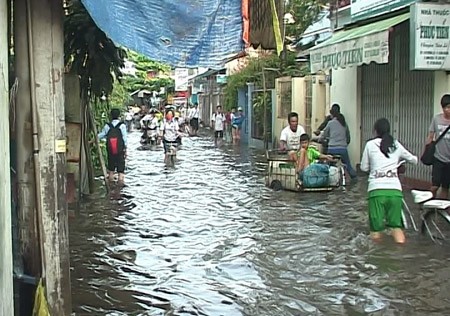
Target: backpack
[115, 141]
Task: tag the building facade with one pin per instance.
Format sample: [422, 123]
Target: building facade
[383, 63]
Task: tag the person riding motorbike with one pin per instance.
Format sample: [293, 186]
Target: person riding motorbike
[150, 126]
[169, 132]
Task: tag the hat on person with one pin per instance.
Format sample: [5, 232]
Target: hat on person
[239, 109]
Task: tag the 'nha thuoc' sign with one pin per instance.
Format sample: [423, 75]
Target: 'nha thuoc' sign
[355, 52]
[430, 36]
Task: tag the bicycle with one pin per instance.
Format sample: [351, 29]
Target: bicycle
[434, 216]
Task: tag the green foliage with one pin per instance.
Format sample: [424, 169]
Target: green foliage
[144, 64]
[120, 96]
[258, 113]
[141, 80]
[89, 52]
[305, 13]
[253, 73]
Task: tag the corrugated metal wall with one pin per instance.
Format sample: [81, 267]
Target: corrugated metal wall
[407, 103]
[377, 97]
[415, 106]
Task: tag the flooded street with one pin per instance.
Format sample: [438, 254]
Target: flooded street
[208, 238]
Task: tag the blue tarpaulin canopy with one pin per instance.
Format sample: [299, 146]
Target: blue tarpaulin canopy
[187, 33]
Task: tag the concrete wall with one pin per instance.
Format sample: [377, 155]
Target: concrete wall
[345, 90]
[298, 100]
[319, 101]
[72, 98]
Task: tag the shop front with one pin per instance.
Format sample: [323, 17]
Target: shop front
[378, 71]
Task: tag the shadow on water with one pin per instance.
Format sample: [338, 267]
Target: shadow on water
[207, 238]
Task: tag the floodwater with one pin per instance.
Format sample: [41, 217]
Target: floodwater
[208, 238]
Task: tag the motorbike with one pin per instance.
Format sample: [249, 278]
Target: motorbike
[149, 136]
[172, 154]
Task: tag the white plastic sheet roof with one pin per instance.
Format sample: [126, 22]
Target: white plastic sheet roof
[182, 33]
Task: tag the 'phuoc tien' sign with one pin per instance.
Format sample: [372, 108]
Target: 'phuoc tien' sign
[430, 36]
[363, 50]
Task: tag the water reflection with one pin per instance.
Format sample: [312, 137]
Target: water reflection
[207, 238]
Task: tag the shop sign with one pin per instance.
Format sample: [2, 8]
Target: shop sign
[430, 30]
[363, 50]
[363, 9]
[181, 79]
[221, 79]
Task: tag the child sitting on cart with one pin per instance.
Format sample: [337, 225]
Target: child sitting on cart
[307, 157]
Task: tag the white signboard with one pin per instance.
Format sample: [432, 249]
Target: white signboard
[181, 79]
[430, 25]
[363, 50]
[376, 7]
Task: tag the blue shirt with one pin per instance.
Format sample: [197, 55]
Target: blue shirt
[123, 129]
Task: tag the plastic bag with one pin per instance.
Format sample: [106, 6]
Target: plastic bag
[316, 176]
[40, 302]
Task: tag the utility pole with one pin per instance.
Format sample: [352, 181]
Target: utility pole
[46, 53]
[6, 256]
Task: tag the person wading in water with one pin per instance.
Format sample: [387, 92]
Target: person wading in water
[115, 133]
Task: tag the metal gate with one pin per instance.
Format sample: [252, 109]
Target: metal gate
[377, 97]
[416, 92]
[284, 91]
[402, 96]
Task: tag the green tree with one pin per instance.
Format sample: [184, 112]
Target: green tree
[90, 53]
[305, 13]
[141, 80]
[120, 96]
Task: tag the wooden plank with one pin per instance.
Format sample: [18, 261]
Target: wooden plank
[47, 56]
[6, 261]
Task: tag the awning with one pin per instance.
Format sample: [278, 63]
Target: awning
[357, 46]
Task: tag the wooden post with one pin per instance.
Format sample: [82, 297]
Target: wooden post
[47, 64]
[29, 241]
[6, 258]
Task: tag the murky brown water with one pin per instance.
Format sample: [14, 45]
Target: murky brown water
[209, 239]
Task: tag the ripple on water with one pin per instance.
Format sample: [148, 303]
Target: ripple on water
[207, 238]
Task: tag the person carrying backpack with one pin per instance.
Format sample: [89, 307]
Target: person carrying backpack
[115, 134]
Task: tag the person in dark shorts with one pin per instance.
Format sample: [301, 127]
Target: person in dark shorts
[441, 165]
[193, 119]
[115, 133]
[218, 122]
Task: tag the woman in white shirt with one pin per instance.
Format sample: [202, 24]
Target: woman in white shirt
[169, 132]
[381, 159]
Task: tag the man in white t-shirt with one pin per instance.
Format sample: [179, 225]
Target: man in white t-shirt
[290, 136]
[218, 122]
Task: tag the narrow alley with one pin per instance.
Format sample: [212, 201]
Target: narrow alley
[208, 238]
